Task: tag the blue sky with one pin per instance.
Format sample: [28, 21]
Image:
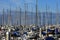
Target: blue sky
[31, 4]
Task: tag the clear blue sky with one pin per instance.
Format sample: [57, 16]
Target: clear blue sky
[31, 3]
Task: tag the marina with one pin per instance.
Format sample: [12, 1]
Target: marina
[27, 23]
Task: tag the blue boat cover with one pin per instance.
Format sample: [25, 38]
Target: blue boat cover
[33, 29]
[16, 34]
[49, 38]
[48, 30]
[56, 31]
[43, 33]
[25, 33]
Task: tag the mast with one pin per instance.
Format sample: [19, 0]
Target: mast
[57, 14]
[15, 21]
[40, 19]
[32, 16]
[57, 18]
[47, 15]
[17, 17]
[25, 6]
[51, 18]
[9, 17]
[25, 14]
[44, 20]
[3, 18]
[36, 24]
[20, 16]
